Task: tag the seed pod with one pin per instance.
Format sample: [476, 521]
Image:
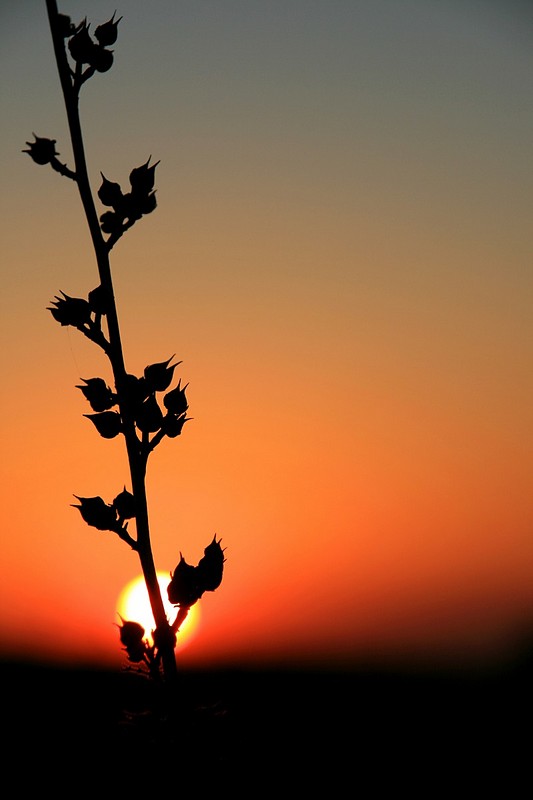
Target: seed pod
[97, 513]
[108, 423]
[173, 425]
[71, 310]
[110, 193]
[111, 222]
[142, 178]
[124, 503]
[175, 401]
[107, 33]
[131, 633]
[211, 566]
[101, 59]
[43, 151]
[149, 416]
[159, 376]
[98, 393]
[81, 45]
[131, 636]
[183, 589]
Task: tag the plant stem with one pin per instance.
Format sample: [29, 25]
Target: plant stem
[137, 461]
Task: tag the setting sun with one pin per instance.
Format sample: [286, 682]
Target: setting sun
[133, 605]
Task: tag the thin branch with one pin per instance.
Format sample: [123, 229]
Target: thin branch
[62, 169]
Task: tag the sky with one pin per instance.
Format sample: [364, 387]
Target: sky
[341, 259]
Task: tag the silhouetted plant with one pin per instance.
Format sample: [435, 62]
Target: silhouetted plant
[142, 409]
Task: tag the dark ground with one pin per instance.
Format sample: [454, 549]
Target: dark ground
[359, 733]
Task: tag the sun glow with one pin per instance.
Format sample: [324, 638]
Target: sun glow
[133, 605]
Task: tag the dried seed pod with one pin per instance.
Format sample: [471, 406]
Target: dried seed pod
[108, 423]
[149, 417]
[159, 376]
[98, 393]
[183, 589]
[175, 400]
[81, 45]
[97, 513]
[110, 193]
[131, 633]
[71, 310]
[43, 151]
[132, 637]
[173, 425]
[142, 179]
[107, 33]
[124, 504]
[211, 566]
[101, 59]
[110, 222]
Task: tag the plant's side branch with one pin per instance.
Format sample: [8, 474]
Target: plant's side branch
[124, 535]
[70, 87]
[62, 169]
[93, 333]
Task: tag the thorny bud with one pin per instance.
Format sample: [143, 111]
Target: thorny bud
[98, 393]
[125, 504]
[131, 633]
[142, 178]
[110, 222]
[149, 417]
[108, 423]
[43, 151]
[188, 583]
[175, 401]
[132, 637]
[97, 513]
[128, 207]
[101, 59]
[183, 589]
[81, 45]
[211, 566]
[71, 310]
[172, 425]
[110, 193]
[159, 376]
[107, 33]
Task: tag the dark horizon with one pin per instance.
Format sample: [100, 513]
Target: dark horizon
[288, 726]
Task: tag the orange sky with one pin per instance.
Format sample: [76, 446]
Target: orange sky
[341, 258]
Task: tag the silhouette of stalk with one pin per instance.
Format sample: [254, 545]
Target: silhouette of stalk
[137, 461]
[139, 417]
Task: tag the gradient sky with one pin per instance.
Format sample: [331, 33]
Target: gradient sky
[342, 258]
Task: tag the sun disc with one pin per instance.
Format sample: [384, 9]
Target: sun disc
[133, 605]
